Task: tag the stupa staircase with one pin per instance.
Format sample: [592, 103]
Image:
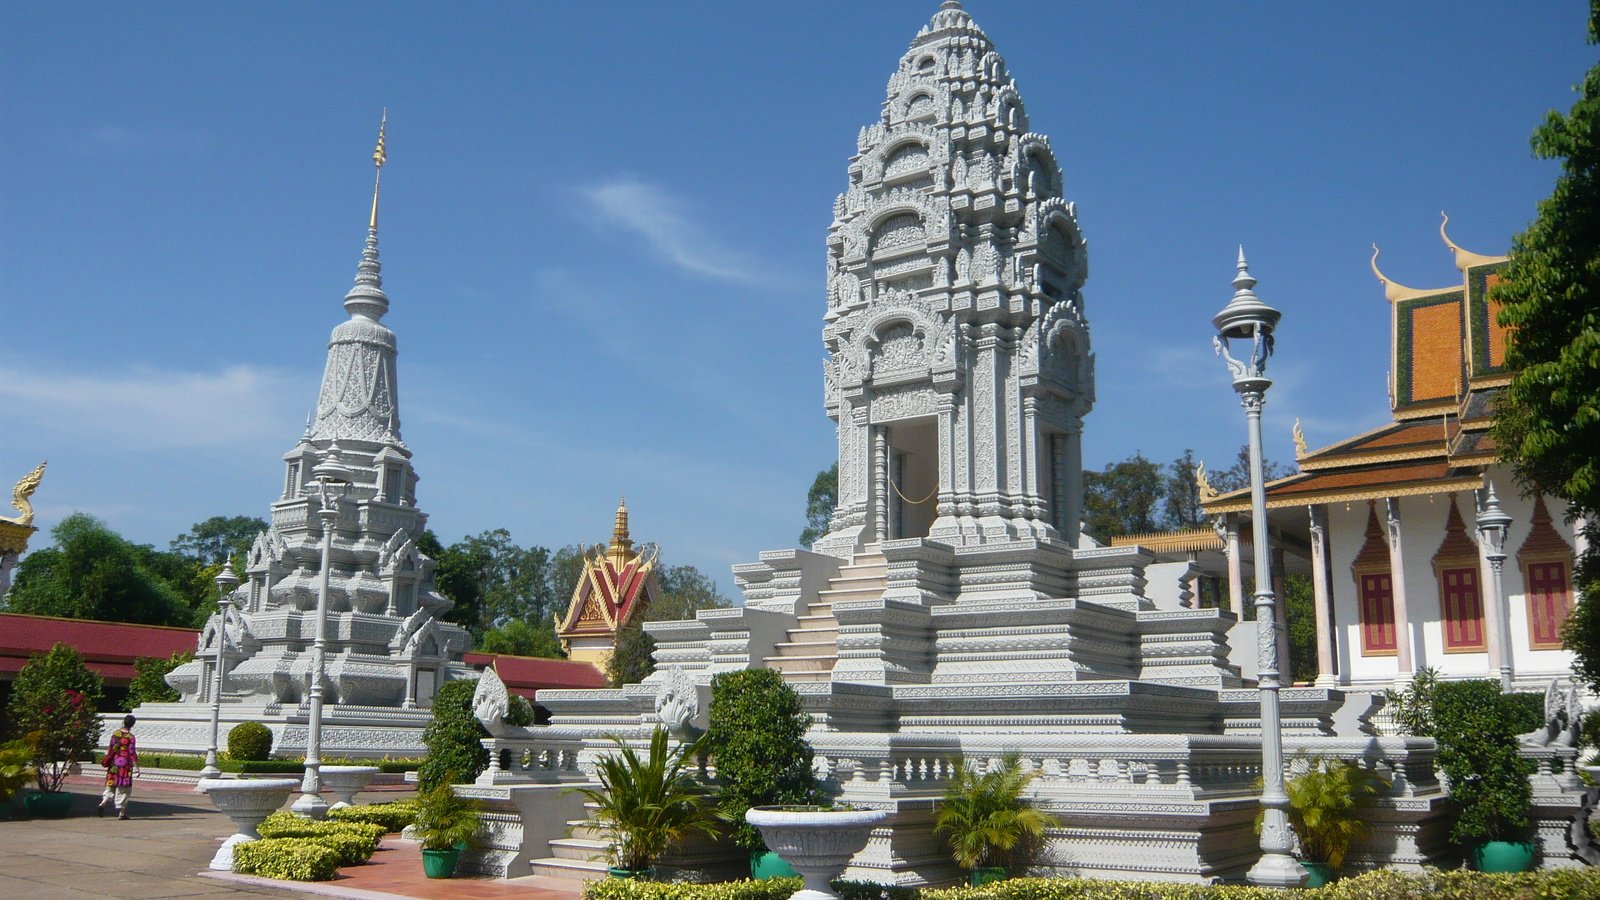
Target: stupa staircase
[576, 858]
[812, 646]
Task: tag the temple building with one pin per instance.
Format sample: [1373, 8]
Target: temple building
[617, 585]
[1392, 521]
[388, 649]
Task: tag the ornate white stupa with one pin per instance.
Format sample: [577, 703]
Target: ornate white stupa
[388, 651]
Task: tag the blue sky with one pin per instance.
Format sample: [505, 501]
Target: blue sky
[603, 231]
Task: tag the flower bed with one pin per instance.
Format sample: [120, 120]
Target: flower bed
[291, 859]
[392, 816]
[355, 842]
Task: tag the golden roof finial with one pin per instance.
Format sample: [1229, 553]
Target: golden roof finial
[380, 155]
[20, 494]
[1299, 440]
[621, 545]
[1203, 485]
[1393, 290]
[1465, 259]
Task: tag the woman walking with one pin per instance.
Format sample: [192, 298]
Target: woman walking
[122, 764]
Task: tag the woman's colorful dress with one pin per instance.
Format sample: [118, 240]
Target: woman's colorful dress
[120, 759]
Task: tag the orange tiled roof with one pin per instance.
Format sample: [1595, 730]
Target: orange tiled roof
[1365, 483]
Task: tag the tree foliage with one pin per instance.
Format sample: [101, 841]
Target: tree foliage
[149, 682]
[757, 736]
[93, 573]
[52, 706]
[985, 816]
[820, 501]
[493, 581]
[519, 637]
[211, 541]
[646, 804]
[1124, 498]
[1475, 726]
[1547, 421]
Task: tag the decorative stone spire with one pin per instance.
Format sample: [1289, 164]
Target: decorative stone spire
[621, 548]
[359, 401]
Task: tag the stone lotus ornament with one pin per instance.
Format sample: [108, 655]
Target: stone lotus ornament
[344, 782]
[247, 801]
[817, 843]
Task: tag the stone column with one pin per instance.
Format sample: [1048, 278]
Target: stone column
[1235, 566]
[1321, 603]
[1072, 466]
[880, 483]
[1280, 590]
[1404, 646]
[8, 561]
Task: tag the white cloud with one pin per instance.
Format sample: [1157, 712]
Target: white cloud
[149, 409]
[651, 213]
[120, 139]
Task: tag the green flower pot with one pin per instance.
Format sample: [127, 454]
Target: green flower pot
[983, 875]
[1317, 873]
[767, 865]
[48, 804]
[634, 874]
[1503, 856]
[440, 863]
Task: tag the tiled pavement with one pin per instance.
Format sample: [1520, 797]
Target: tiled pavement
[170, 838]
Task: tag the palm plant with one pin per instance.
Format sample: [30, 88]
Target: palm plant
[985, 816]
[445, 820]
[645, 805]
[1325, 803]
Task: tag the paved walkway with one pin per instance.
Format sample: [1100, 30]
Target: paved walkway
[163, 850]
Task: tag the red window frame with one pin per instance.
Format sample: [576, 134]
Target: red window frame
[1376, 607]
[1548, 586]
[1461, 608]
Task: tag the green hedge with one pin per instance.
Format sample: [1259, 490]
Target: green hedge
[1432, 884]
[292, 859]
[191, 762]
[393, 816]
[355, 842]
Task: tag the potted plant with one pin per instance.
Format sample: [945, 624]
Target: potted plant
[645, 805]
[445, 823]
[53, 702]
[15, 770]
[1475, 726]
[984, 817]
[757, 740]
[1325, 811]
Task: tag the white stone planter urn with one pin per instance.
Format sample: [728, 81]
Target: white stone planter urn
[817, 843]
[344, 782]
[247, 801]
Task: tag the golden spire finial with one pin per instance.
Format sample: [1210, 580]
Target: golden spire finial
[21, 492]
[1299, 440]
[1465, 259]
[380, 155]
[621, 545]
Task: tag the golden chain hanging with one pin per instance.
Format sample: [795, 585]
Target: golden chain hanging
[911, 501]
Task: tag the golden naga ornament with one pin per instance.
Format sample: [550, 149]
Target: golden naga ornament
[20, 494]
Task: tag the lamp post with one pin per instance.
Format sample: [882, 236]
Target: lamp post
[1493, 523]
[1246, 318]
[331, 476]
[226, 582]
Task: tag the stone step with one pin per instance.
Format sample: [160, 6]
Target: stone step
[868, 591]
[582, 849]
[806, 649]
[570, 870]
[812, 663]
[822, 634]
[807, 677]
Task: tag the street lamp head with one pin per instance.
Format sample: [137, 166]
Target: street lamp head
[226, 580]
[332, 468]
[1246, 316]
[1493, 521]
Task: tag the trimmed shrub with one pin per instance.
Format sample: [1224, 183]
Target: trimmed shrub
[1524, 712]
[291, 859]
[396, 766]
[265, 766]
[1475, 726]
[355, 842]
[250, 741]
[757, 735]
[394, 816]
[454, 738]
[630, 889]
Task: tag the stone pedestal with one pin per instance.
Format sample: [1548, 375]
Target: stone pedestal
[247, 802]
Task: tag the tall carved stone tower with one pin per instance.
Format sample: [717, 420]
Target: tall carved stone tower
[958, 368]
[388, 651]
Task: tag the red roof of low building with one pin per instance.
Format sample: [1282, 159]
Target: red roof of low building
[107, 648]
[526, 675]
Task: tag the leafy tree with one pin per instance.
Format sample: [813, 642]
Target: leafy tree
[1475, 726]
[820, 501]
[93, 573]
[211, 541]
[1547, 421]
[453, 738]
[1125, 498]
[1182, 506]
[149, 683]
[684, 591]
[631, 659]
[566, 567]
[1299, 609]
[519, 637]
[53, 702]
[492, 580]
[757, 736]
[1237, 476]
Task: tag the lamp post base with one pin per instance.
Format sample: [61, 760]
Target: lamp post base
[310, 806]
[1279, 870]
